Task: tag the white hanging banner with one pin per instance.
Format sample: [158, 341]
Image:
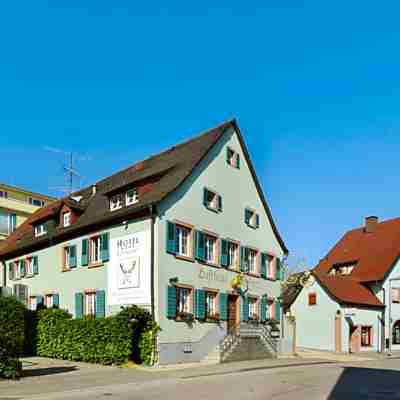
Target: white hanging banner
[129, 270]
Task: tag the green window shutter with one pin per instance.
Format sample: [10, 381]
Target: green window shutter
[205, 197]
[278, 311]
[200, 304]
[257, 220]
[78, 305]
[223, 306]
[171, 302]
[244, 253]
[85, 252]
[224, 253]
[171, 238]
[281, 271]
[219, 203]
[56, 300]
[35, 265]
[39, 301]
[22, 268]
[237, 161]
[72, 256]
[247, 216]
[104, 251]
[263, 309]
[227, 155]
[11, 271]
[200, 245]
[264, 265]
[245, 309]
[100, 304]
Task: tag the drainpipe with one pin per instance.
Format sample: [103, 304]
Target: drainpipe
[383, 330]
[152, 251]
[4, 280]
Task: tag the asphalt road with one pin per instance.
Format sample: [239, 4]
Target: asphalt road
[379, 379]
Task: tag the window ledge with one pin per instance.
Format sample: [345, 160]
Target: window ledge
[184, 258]
[254, 274]
[212, 209]
[96, 265]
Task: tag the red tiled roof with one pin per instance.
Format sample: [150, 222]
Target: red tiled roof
[348, 291]
[375, 252]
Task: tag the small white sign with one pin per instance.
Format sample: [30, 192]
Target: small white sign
[129, 270]
[349, 312]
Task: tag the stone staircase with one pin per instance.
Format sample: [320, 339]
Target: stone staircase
[247, 341]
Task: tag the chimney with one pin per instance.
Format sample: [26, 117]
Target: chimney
[370, 224]
[93, 190]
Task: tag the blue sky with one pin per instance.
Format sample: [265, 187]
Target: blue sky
[315, 87]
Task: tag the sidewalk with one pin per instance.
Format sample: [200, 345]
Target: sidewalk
[44, 376]
[345, 357]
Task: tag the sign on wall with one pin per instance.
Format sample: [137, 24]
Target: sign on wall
[129, 270]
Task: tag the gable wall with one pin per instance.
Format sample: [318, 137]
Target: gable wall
[186, 204]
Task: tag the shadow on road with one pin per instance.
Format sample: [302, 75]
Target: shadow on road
[48, 371]
[367, 383]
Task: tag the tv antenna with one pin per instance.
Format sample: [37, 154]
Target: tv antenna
[72, 177]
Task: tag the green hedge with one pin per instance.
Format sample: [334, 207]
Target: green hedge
[103, 340]
[11, 336]
[111, 340]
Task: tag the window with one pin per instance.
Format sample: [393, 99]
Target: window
[40, 230]
[211, 305]
[183, 241]
[212, 200]
[36, 202]
[253, 308]
[32, 303]
[3, 194]
[95, 250]
[396, 332]
[29, 266]
[8, 223]
[366, 336]
[132, 196]
[67, 218]
[342, 269]
[249, 260]
[210, 249]
[251, 218]
[90, 303]
[183, 300]
[16, 269]
[312, 299]
[395, 295]
[116, 202]
[271, 267]
[232, 254]
[48, 300]
[232, 158]
[69, 257]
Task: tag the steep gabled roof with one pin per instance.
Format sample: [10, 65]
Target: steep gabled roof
[348, 291]
[374, 252]
[155, 177]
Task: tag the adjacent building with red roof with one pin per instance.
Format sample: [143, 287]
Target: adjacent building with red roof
[351, 301]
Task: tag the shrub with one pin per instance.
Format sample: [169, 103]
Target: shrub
[103, 340]
[11, 336]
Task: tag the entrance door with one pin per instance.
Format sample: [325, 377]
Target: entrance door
[355, 339]
[232, 312]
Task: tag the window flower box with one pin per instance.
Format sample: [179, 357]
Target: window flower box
[185, 316]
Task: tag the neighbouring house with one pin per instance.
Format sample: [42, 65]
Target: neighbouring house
[16, 205]
[186, 234]
[351, 301]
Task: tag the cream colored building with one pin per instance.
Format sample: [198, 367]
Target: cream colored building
[16, 205]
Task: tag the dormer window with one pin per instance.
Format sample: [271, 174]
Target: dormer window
[40, 230]
[342, 269]
[67, 218]
[116, 202]
[132, 197]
